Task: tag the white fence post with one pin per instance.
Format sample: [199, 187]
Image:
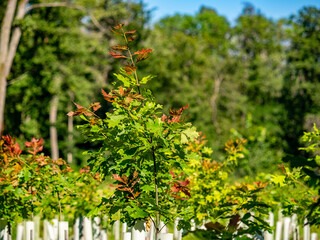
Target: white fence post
[314, 236]
[152, 231]
[193, 225]
[104, 235]
[50, 230]
[177, 234]
[286, 228]
[162, 227]
[29, 227]
[20, 229]
[164, 236]
[278, 230]
[87, 226]
[267, 235]
[295, 227]
[116, 230]
[126, 235]
[96, 231]
[63, 230]
[138, 231]
[306, 230]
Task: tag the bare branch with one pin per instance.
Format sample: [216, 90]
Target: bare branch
[80, 8]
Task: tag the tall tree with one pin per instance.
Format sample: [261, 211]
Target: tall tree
[61, 57]
[302, 79]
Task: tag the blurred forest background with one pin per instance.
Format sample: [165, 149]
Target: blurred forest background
[257, 79]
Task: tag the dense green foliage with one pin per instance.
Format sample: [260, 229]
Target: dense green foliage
[256, 80]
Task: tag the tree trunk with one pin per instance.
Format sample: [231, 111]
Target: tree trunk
[8, 48]
[53, 128]
[213, 101]
[4, 48]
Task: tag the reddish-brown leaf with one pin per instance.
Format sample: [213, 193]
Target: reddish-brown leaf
[132, 38]
[85, 170]
[175, 188]
[78, 106]
[143, 51]
[95, 106]
[59, 162]
[119, 26]
[119, 48]
[79, 112]
[130, 32]
[116, 55]
[70, 114]
[129, 68]
[143, 54]
[118, 178]
[214, 226]
[234, 222]
[135, 174]
[184, 183]
[135, 96]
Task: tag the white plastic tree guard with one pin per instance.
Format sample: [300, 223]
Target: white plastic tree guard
[126, 236]
[82, 229]
[63, 230]
[267, 235]
[96, 231]
[163, 227]
[116, 230]
[87, 226]
[314, 236]
[286, 228]
[138, 231]
[278, 230]
[104, 235]
[29, 233]
[50, 229]
[177, 234]
[151, 232]
[124, 228]
[306, 230]
[20, 229]
[164, 236]
[193, 225]
[4, 233]
[76, 229]
[295, 227]
[36, 221]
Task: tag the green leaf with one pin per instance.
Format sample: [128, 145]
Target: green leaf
[188, 135]
[114, 120]
[123, 79]
[146, 79]
[154, 126]
[278, 179]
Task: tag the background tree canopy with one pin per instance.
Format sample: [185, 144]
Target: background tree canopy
[258, 79]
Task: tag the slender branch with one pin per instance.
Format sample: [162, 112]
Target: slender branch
[59, 203]
[64, 4]
[131, 58]
[156, 187]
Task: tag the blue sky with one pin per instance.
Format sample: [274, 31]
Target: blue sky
[231, 9]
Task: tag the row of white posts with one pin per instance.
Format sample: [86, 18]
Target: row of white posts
[286, 228]
[87, 229]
